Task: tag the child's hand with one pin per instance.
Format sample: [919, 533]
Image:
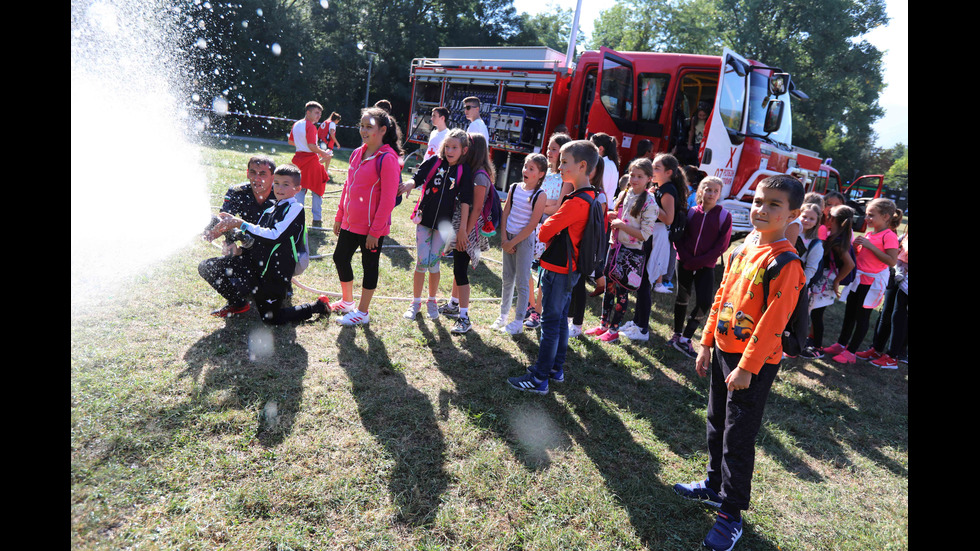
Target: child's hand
[336, 227]
[860, 241]
[616, 223]
[738, 379]
[461, 240]
[370, 242]
[703, 361]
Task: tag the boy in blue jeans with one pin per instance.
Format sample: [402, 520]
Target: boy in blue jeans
[278, 234]
[745, 329]
[578, 160]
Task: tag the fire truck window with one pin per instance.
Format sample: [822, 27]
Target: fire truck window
[732, 100]
[616, 90]
[653, 90]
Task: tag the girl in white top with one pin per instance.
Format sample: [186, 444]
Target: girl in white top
[524, 208]
[809, 237]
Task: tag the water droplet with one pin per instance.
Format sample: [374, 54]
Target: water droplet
[259, 11]
[324, 4]
[201, 43]
[196, 97]
[276, 49]
[245, 24]
[220, 106]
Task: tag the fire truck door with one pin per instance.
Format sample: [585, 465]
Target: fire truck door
[722, 145]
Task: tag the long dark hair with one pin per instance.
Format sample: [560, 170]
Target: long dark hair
[839, 243]
[393, 134]
[676, 177]
[608, 145]
[479, 156]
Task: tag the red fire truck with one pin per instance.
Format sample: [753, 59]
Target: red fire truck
[527, 92]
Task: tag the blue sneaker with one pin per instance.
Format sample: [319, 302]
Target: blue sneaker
[698, 491]
[723, 534]
[526, 383]
[556, 375]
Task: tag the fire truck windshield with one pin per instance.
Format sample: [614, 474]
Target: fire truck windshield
[758, 103]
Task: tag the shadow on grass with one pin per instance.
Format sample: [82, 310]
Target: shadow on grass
[247, 365]
[402, 420]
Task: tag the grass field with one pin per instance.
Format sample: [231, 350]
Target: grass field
[190, 432]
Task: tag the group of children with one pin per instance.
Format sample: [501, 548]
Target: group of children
[548, 221]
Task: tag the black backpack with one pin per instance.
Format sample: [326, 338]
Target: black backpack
[676, 230]
[798, 327]
[591, 251]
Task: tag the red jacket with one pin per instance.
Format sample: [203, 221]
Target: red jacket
[572, 214]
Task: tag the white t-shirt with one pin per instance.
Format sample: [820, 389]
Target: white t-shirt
[610, 178]
[479, 127]
[435, 140]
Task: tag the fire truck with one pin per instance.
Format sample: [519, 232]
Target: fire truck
[526, 92]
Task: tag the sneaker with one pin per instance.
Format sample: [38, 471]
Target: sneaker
[412, 311]
[686, 348]
[228, 310]
[596, 331]
[673, 338]
[499, 323]
[515, 327]
[462, 325]
[628, 326]
[635, 334]
[661, 288]
[812, 353]
[432, 309]
[903, 358]
[609, 336]
[449, 310]
[574, 331]
[724, 533]
[341, 307]
[869, 354]
[533, 321]
[528, 312]
[833, 349]
[845, 357]
[698, 491]
[322, 305]
[354, 318]
[556, 375]
[885, 362]
[669, 286]
[526, 383]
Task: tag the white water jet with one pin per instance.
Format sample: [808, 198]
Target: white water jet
[138, 191]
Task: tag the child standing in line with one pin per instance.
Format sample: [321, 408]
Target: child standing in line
[706, 237]
[742, 348]
[444, 180]
[554, 188]
[837, 265]
[364, 215]
[566, 226]
[469, 250]
[327, 134]
[894, 317]
[524, 207]
[808, 244]
[631, 221]
[875, 252]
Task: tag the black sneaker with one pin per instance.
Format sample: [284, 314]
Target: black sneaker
[449, 310]
[462, 325]
[812, 353]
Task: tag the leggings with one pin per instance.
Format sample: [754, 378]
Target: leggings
[644, 300]
[347, 243]
[894, 320]
[461, 261]
[816, 326]
[428, 249]
[517, 266]
[702, 281]
[614, 304]
[857, 319]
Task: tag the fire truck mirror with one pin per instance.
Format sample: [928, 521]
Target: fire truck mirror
[778, 84]
[774, 116]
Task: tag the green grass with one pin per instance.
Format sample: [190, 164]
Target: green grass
[186, 434]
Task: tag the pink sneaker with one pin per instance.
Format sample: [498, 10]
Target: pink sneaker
[596, 331]
[870, 354]
[609, 336]
[885, 362]
[833, 349]
[845, 357]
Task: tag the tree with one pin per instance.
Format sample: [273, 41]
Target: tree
[550, 28]
[897, 176]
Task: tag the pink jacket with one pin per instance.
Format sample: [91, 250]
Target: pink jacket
[369, 194]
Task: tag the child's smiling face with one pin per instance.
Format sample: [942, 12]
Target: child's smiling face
[452, 150]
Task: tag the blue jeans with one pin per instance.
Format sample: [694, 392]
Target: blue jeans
[556, 296]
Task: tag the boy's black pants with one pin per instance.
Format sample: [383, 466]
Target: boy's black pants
[235, 280]
[734, 419]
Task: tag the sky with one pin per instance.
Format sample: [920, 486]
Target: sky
[893, 39]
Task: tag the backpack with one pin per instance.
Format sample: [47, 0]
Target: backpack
[798, 327]
[591, 249]
[804, 251]
[491, 210]
[676, 230]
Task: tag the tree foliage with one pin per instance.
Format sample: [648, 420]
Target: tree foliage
[550, 28]
[818, 43]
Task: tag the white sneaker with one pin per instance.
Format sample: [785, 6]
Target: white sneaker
[500, 323]
[574, 331]
[661, 288]
[628, 326]
[412, 311]
[355, 318]
[341, 307]
[432, 309]
[515, 327]
[634, 334]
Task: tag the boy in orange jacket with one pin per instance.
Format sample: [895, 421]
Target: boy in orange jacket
[745, 330]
